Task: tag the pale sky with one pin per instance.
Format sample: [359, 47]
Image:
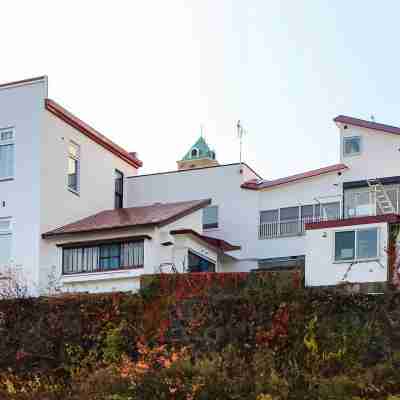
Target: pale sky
[148, 73]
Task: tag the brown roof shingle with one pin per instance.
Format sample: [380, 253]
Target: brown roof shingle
[158, 214]
[255, 184]
[219, 244]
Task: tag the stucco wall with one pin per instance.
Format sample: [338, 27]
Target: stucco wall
[60, 206]
[321, 269]
[323, 189]
[22, 107]
[237, 208]
[379, 154]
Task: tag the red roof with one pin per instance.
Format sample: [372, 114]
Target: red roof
[217, 243]
[389, 218]
[367, 124]
[158, 214]
[257, 184]
[91, 133]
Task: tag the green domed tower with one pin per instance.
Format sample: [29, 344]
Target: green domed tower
[199, 156]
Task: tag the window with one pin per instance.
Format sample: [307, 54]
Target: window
[210, 217]
[119, 189]
[103, 257]
[73, 167]
[355, 245]
[269, 216]
[351, 146]
[7, 145]
[331, 211]
[195, 153]
[5, 241]
[197, 263]
[290, 221]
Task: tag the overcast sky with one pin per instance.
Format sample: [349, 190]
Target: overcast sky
[148, 73]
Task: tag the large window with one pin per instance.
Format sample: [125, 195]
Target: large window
[103, 257]
[7, 145]
[210, 217]
[361, 244]
[73, 167]
[119, 189]
[5, 241]
[351, 146]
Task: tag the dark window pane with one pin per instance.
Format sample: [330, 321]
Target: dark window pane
[367, 243]
[307, 212]
[269, 216]
[210, 217]
[344, 246]
[352, 145]
[289, 213]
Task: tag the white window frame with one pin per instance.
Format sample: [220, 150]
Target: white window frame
[78, 168]
[345, 138]
[8, 143]
[7, 232]
[356, 259]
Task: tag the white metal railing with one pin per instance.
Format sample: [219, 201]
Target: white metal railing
[293, 227]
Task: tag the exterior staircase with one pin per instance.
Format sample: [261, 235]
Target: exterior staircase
[381, 196]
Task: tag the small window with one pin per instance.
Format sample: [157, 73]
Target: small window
[73, 167]
[5, 241]
[119, 189]
[269, 216]
[7, 148]
[195, 153]
[355, 245]
[210, 217]
[351, 146]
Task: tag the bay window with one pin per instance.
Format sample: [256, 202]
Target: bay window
[7, 148]
[102, 257]
[356, 245]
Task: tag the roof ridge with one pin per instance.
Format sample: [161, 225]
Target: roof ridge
[363, 123]
[74, 121]
[263, 184]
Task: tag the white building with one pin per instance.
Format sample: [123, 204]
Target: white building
[73, 207]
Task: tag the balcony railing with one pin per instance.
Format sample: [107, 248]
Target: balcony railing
[287, 228]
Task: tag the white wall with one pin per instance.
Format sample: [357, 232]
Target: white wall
[237, 208]
[321, 269]
[22, 107]
[379, 156]
[60, 206]
[326, 188]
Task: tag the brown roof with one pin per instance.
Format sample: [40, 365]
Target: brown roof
[256, 184]
[23, 81]
[367, 124]
[217, 243]
[91, 133]
[389, 218]
[154, 215]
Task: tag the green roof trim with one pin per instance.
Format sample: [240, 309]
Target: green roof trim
[199, 150]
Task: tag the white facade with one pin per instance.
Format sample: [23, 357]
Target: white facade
[36, 198]
[237, 208]
[323, 270]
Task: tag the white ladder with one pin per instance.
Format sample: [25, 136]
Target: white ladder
[381, 196]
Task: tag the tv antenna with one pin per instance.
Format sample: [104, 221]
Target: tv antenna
[240, 133]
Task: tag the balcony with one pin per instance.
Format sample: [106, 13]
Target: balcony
[278, 229]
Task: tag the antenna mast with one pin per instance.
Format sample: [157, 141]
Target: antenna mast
[240, 132]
